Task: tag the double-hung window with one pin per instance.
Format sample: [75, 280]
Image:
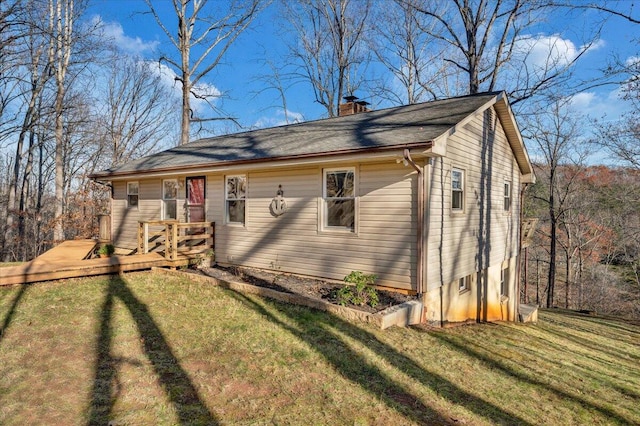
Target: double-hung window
[457, 190]
[169, 199]
[132, 194]
[235, 197]
[507, 196]
[339, 194]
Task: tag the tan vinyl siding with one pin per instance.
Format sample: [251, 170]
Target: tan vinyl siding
[383, 243]
[484, 235]
[125, 219]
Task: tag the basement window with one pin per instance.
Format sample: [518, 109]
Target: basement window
[339, 194]
[235, 197]
[504, 280]
[464, 284]
[132, 194]
[169, 199]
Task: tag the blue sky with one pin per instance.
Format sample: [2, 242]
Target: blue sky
[246, 99]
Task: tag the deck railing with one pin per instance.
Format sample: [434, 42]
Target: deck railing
[175, 238]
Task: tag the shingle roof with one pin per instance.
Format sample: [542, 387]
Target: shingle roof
[381, 129]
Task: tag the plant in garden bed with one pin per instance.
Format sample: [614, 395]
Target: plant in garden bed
[361, 292]
[106, 250]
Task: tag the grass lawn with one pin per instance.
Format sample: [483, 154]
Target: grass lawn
[146, 349]
[8, 264]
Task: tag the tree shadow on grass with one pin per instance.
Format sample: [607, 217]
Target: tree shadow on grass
[12, 310]
[495, 364]
[175, 381]
[317, 331]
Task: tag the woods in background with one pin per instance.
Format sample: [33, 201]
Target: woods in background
[72, 103]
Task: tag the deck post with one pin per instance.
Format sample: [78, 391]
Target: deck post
[146, 238]
[171, 241]
[174, 236]
[143, 237]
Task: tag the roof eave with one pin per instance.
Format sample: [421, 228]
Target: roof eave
[510, 126]
[284, 160]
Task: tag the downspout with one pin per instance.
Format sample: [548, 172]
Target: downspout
[519, 265]
[420, 236]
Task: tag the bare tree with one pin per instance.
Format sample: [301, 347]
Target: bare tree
[406, 51]
[487, 43]
[11, 32]
[62, 18]
[623, 136]
[554, 136]
[135, 114]
[328, 46]
[37, 53]
[280, 81]
[209, 28]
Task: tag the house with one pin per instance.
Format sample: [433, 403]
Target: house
[425, 196]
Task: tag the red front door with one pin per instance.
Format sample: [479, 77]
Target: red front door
[196, 199]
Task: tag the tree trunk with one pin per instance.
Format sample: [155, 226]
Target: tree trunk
[24, 196]
[184, 39]
[186, 111]
[64, 18]
[552, 259]
[58, 230]
[568, 279]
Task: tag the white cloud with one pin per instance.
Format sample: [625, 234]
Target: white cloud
[283, 117]
[633, 61]
[582, 100]
[597, 45]
[602, 106]
[546, 52]
[113, 32]
[198, 104]
[207, 94]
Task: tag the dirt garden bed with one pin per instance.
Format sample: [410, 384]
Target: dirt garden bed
[311, 288]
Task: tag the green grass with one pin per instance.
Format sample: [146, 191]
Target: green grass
[8, 264]
[151, 349]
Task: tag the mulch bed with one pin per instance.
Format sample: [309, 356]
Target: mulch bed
[295, 284]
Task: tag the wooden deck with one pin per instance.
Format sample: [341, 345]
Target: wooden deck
[71, 259]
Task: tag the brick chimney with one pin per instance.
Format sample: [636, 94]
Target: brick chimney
[352, 106]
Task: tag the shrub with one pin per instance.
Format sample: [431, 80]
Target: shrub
[106, 249]
[360, 293]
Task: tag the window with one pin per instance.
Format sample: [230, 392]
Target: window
[339, 199]
[464, 284]
[504, 276]
[507, 196]
[457, 190]
[169, 196]
[235, 197]
[132, 194]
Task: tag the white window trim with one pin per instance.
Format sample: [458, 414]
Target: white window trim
[323, 210]
[464, 284]
[226, 199]
[507, 196]
[462, 190]
[164, 217]
[129, 206]
[504, 278]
